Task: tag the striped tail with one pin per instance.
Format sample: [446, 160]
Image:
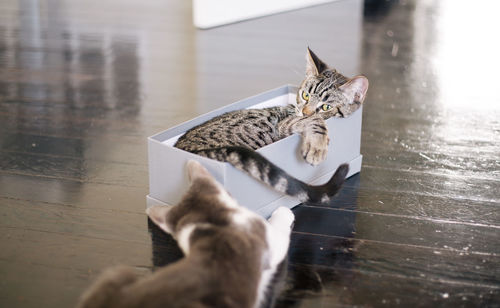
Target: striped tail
[259, 167]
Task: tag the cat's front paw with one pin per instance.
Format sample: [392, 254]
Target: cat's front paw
[315, 148]
[282, 218]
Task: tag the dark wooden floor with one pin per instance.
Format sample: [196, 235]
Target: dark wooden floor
[82, 85]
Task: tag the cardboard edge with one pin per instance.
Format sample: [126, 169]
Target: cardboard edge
[150, 201]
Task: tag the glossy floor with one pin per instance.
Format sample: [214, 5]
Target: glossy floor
[82, 85]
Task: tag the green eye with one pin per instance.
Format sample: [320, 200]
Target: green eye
[326, 107]
[305, 96]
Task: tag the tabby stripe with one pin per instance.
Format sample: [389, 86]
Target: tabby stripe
[296, 121]
[261, 137]
[270, 126]
[257, 142]
[319, 86]
[290, 124]
[319, 126]
[216, 140]
[323, 92]
[202, 142]
[250, 141]
[314, 88]
[319, 132]
[265, 173]
[241, 139]
[265, 137]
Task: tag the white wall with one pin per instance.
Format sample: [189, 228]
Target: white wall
[212, 13]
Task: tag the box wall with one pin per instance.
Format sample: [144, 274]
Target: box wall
[168, 179]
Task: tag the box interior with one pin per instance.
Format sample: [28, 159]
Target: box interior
[281, 100]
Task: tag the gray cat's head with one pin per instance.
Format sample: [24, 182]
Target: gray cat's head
[327, 92]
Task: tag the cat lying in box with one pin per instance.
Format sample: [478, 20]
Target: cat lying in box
[233, 137]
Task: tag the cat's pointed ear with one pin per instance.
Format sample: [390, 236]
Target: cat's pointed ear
[158, 215]
[355, 89]
[196, 170]
[314, 66]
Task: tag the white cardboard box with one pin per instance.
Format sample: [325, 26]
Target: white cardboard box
[168, 177]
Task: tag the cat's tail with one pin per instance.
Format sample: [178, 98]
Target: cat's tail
[262, 169]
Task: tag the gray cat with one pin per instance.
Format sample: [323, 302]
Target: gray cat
[231, 254]
[234, 136]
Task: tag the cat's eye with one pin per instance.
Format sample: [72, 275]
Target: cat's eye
[326, 107]
[305, 96]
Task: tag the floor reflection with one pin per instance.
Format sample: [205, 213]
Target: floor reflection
[58, 86]
[428, 91]
[323, 248]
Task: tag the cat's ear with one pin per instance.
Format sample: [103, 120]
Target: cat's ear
[196, 170]
[314, 66]
[158, 215]
[355, 89]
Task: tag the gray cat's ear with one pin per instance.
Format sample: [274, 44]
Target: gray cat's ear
[314, 65]
[158, 215]
[355, 89]
[196, 170]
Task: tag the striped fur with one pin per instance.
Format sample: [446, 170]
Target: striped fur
[259, 167]
[233, 136]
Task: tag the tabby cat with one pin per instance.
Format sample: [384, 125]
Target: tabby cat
[231, 254]
[234, 136]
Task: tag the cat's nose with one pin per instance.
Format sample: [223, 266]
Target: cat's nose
[308, 110]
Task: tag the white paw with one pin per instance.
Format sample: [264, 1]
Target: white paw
[283, 217]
